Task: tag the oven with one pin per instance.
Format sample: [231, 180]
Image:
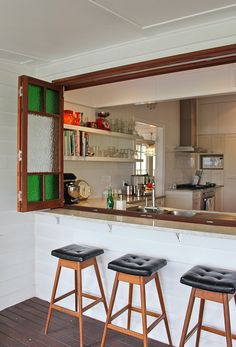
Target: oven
[208, 199]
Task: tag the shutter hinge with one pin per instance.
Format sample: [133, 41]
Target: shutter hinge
[19, 156]
[19, 195]
[21, 91]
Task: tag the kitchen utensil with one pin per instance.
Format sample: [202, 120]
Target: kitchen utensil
[197, 177]
[84, 189]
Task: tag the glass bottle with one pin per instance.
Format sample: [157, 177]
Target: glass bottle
[110, 201]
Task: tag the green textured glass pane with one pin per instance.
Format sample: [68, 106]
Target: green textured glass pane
[52, 101]
[35, 98]
[34, 191]
[51, 187]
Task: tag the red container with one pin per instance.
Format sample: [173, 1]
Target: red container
[76, 118]
[68, 116]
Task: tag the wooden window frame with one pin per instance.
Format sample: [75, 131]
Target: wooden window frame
[176, 63]
[22, 146]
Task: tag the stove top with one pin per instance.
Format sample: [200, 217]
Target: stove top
[195, 187]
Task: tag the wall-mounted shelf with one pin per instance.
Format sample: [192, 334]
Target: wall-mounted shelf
[104, 159]
[102, 132]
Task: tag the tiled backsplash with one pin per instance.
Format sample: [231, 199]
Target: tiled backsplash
[180, 168]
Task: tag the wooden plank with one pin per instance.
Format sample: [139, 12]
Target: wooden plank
[8, 341]
[34, 333]
[180, 62]
[22, 326]
[23, 336]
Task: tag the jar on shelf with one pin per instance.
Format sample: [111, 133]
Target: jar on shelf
[68, 116]
[76, 120]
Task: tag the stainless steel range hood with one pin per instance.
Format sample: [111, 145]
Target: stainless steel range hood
[188, 127]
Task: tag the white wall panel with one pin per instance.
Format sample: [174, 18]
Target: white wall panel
[16, 230]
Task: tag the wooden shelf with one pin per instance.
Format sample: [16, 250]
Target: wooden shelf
[145, 142]
[102, 132]
[104, 159]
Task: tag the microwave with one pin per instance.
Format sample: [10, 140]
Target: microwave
[212, 161]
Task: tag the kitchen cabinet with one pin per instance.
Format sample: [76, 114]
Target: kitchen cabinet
[208, 118]
[183, 199]
[219, 192]
[226, 117]
[106, 145]
[212, 143]
[230, 174]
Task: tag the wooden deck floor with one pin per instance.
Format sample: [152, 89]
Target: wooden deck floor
[22, 325]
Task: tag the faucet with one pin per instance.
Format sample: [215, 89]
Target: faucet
[146, 194]
[153, 197]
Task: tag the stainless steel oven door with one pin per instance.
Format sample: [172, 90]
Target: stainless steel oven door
[208, 203]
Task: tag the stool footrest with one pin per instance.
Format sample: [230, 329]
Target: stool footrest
[190, 334]
[125, 331]
[96, 299]
[216, 331]
[64, 296]
[92, 304]
[149, 313]
[118, 313]
[65, 310]
[154, 324]
[136, 309]
[89, 296]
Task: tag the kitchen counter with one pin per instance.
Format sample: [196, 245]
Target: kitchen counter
[182, 244]
[101, 203]
[226, 220]
[155, 224]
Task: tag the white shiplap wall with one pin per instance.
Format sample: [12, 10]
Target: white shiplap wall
[16, 230]
[182, 251]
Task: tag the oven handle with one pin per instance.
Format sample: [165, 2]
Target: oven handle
[208, 203]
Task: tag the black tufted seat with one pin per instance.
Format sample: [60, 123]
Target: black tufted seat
[77, 253]
[211, 279]
[213, 284]
[137, 265]
[76, 258]
[136, 270]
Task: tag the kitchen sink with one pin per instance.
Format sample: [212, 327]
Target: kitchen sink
[182, 213]
[152, 210]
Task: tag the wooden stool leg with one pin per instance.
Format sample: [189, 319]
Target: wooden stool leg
[227, 320]
[57, 276]
[201, 310]
[130, 305]
[113, 296]
[100, 284]
[80, 304]
[144, 311]
[187, 318]
[76, 292]
[158, 285]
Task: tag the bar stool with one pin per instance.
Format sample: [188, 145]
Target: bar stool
[214, 284]
[77, 258]
[136, 269]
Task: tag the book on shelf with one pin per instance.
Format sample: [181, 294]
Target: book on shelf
[76, 143]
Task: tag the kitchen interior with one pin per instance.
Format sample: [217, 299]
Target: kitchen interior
[187, 149]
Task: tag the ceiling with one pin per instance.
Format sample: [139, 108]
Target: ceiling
[37, 32]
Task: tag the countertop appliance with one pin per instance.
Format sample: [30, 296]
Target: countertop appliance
[75, 190]
[71, 190]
